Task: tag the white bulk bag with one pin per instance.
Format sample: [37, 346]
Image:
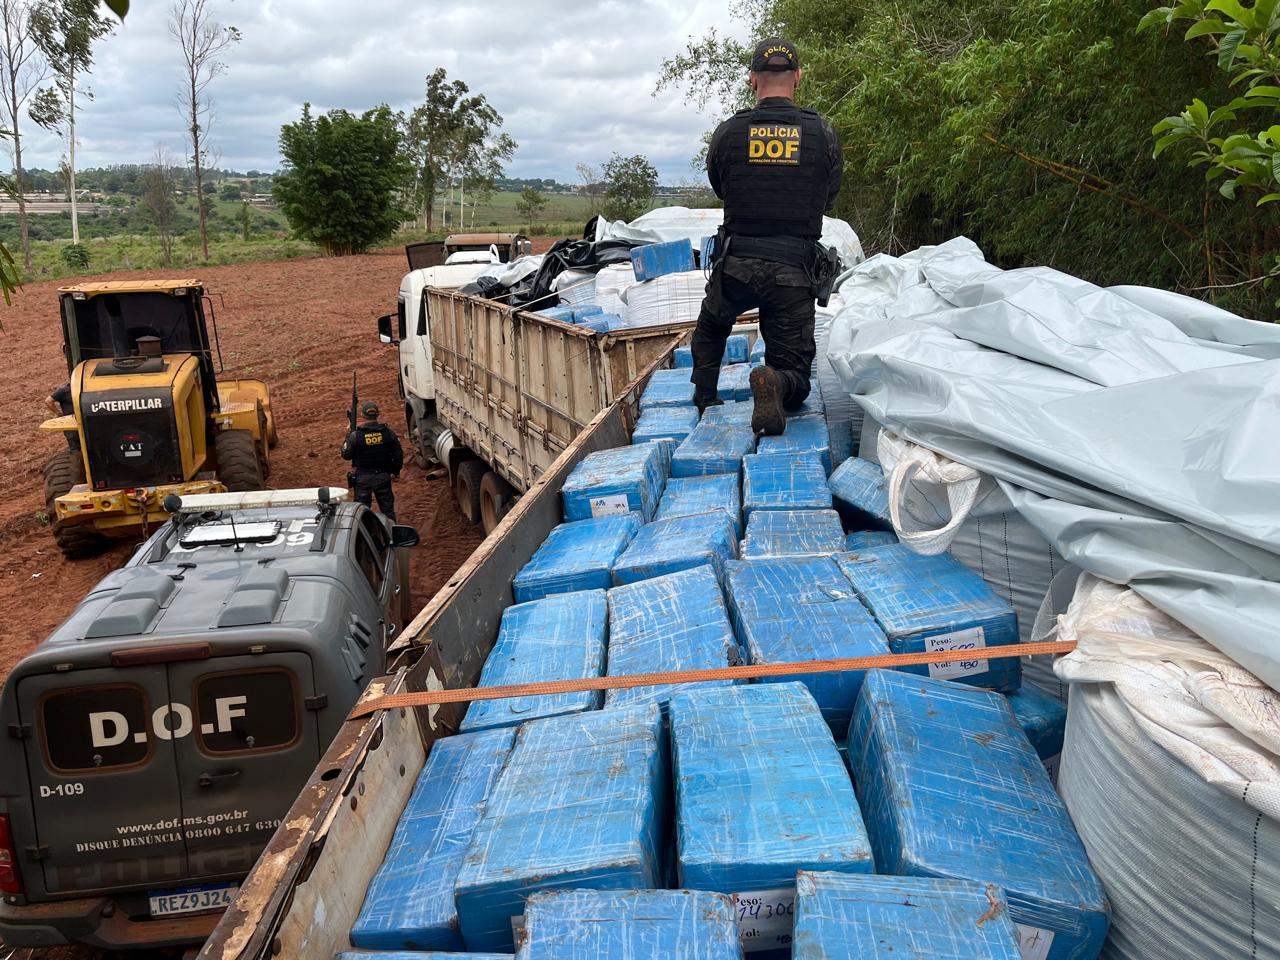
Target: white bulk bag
[1171, 774]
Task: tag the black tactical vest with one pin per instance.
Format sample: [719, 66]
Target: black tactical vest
[373, 447]
[775, 168]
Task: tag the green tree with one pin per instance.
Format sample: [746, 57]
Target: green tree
[630, 183]
[158, 201]
[1238, 143]
[65, 31]
[22, 70]
[341, 178]
[246, 222]
[530, 204]
[453, 132]
[1024, 125]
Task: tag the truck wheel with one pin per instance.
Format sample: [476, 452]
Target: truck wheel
[62, 472]
[238, 465]
[466, 488]
[497, 497]
[414, 432]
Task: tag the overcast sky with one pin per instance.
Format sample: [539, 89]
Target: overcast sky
[572, 81]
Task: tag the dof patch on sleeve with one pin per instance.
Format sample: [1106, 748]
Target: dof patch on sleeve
[777, 143]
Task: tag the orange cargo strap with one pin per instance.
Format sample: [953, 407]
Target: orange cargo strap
[427, 698]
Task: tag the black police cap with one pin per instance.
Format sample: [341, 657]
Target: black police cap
[775, 53]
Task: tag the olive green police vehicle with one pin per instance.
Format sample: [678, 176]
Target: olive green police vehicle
[152, 744]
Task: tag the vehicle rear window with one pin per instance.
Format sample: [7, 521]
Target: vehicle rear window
[94, 728]
[247, 710]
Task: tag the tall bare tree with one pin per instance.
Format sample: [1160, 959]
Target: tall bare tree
[203, 41]
[22, 70]
[159, 186]
[66, 31]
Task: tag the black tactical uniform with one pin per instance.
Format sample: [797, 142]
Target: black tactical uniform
[376, 456]
[777, 167]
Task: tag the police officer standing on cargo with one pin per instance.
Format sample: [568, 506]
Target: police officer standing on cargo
[777, 168]
[376, 456]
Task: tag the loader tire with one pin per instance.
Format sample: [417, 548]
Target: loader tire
[63, 471]
[239, 467]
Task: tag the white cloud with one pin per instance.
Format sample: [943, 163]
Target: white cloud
[573, 82]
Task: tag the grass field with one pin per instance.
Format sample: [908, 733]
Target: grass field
[133, 246]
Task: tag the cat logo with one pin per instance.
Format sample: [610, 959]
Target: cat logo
[372, 439]
[773, 144]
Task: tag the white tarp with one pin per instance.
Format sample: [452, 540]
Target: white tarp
[681, 223]
[1143, 454]
[1172, 777]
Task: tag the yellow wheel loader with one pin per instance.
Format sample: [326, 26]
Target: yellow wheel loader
[151, 418]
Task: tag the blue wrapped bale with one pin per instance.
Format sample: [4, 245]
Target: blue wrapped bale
[653, 260]
[928, 604]
[419, 955]
[752, 810]
[804, 434]
[562, 314]
[676, 622]
[797, 609]
[665, 423]
[1044, 720]
[950, 787]
[601, 322]
[589, 311]
[793, 533]
[713, 448]
[843, 917]
[784, 481]
[757, 351]
[556, 638]
[813, 407]
[734, 382]
[735, 351]
[731, 411]
[596, 925]
[579, 805]
[686, 496]
[616, 481]
[668, 388]
[576, 556]
[860, 494]
[866, 539]
[679, 543]
[409, 904]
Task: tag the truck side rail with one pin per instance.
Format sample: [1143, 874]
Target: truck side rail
[303, 894]
[517, 387]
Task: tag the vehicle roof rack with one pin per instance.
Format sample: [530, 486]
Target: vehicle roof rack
[300, 497]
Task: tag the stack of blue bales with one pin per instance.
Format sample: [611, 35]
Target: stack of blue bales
[789, 610]
[686, 496]
[556, 837]
[672, 622]
[951, 788]
[792, 533]
[784, 481]
[579, 805]
[616, 481]
[735, 351]
[594, 924]
[556, 638]
[576, 556]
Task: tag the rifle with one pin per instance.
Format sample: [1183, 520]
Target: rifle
[355, 403]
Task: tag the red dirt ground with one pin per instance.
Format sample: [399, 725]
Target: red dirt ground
[301, 325]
